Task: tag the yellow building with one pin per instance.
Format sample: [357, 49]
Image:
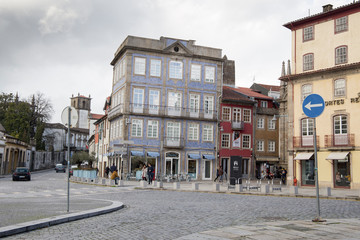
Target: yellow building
[325, 61]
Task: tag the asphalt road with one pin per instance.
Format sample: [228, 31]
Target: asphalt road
[155, 214]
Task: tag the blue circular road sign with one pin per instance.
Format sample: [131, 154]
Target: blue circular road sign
[313, 105]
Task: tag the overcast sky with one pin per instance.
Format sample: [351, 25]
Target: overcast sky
[64, 47]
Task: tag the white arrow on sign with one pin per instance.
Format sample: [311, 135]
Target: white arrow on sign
[309, 105]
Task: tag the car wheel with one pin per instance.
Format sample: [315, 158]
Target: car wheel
[56, 171]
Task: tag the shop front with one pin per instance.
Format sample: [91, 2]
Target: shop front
[192, 166]
[341, 169]
[307, 168]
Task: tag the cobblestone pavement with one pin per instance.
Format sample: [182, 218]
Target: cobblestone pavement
[152, 214]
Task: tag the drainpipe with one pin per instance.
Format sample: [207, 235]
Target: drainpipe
[253, 142]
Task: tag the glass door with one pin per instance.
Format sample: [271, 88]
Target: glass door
[207, 170]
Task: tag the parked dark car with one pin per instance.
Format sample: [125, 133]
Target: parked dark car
[21, 173]
[60, 168]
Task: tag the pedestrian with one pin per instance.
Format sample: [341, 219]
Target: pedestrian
[115, 176]
[113, 168]
[150, 171]
[144, 172]
[283, 176]
[107, 170]
[219, 173]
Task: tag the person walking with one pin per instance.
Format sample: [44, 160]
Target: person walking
[107, 170]
[283, 176]
[144, 172]
[219, 173]
[150, 171]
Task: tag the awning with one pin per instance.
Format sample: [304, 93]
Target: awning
[304, 156]
[137, 153]
[206, 156]
[337, 156]
[194, 156]
[267, 159]
[153, 154]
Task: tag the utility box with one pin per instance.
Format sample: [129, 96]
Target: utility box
[235, 170]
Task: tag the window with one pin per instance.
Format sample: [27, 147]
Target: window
[340, 124]
[236, 139]
[209, 74]
[195, 72]
[305, 91]
[193, 132]
[247, 115]
[138, 98]
[140, 66]
[341, 24]
[174, 101]
[225, 140]
[260, 145]
[308, 62]
[194, 103]
[341, 55]
[246, 141]
[154, 99]
[207, 133]
[173, 130]
[226, 113]
[308, 33]
[261, 123]
[271, 147]
[136, 128]
[271, 124]
[121, 128]
[209, 104]
[264, 104]
[175, 69]
[339, 87]
[155, 68]
[307, 127]
[152, 129]
[237, 114]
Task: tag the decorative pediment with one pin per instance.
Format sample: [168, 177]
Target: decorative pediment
[177, 47]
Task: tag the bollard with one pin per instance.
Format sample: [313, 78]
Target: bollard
[326, 191]
[112, 182]
[265, 188]
[103, 181]
[238, 188]
[121, 183]
[143, 184]
[176, 185]
[96, 180]
[294, 189]
[216, 187]
[195, 186]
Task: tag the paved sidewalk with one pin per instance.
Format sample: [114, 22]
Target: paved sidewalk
[331, 229]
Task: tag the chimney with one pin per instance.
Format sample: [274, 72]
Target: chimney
[327, 8]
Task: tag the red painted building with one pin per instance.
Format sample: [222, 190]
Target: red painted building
[236, 130]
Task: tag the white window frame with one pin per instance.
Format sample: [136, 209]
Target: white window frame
[236, 115]
[260, 123]
[195, 74]
[139, 65]
[174, 103]
[307, 127]
[306, 90]
[209, 74]
[264, 104]
[176, 69]
[271, 124]
[247, 115]
[209, 105]
[193, 132]
[271, 146]
[225, 140]
[226, 113]
[260, 145]
[173, 130]
[208, 132]
[341, 124]
[339, 87]
[194, 103]
[246, 141]
[154, 100]
[152, 129]
[138, 98]
[155, 67]
[136, 127]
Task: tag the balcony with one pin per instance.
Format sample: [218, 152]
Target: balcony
[174, 142]
[237, 125]
[305, 141]
[340, 141]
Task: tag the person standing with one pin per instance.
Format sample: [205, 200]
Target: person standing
[150, 171]
[107, 170]
[144, 172]
[283, 176]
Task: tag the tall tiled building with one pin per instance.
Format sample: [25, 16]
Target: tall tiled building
[164, 101]
[325, 61]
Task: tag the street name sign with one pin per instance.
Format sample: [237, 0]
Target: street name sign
[313, 105]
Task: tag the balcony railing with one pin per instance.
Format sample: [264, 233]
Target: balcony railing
[174, 142]
[340, 140]
[237, 125]
[305, 141]
[171, 111]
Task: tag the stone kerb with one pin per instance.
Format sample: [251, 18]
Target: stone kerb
[216, 187]
[195, 186]
[326, 191]
[265, 188]
[176, 185]
[239, 188]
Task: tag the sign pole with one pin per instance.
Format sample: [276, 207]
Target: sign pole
[317, 219]
[68, 187]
